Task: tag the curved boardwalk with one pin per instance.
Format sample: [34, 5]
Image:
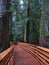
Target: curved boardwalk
[22, 57]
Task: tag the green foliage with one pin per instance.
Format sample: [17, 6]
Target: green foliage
[37, 19]
[19, 22]
[35, 15]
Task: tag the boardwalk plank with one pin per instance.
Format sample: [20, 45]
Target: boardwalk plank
[22, 57]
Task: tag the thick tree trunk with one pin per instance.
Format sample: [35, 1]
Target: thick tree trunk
[6, 29]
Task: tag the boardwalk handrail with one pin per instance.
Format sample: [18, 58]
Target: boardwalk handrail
[6, 57]
[44, 49]
[40, 53]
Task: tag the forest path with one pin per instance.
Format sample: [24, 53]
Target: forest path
[21, 57]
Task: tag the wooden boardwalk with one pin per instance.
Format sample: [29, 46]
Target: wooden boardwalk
[24, 54]
[21, 57]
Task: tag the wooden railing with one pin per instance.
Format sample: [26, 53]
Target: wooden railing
[40, 53]
[6, 57]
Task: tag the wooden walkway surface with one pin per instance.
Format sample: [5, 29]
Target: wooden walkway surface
[21, 57]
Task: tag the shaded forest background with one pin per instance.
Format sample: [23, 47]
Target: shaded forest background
[29, 19]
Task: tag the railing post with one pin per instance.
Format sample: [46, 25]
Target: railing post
[12, 43]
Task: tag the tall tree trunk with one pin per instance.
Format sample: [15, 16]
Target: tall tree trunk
[28, 22]
[42, 23]
[26, 37]
[6, 30]
[25, 34]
